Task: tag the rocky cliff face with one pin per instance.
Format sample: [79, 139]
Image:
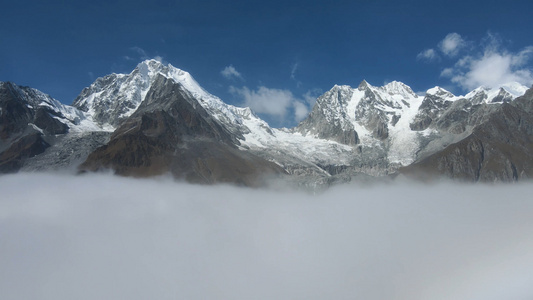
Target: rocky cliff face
[27, 118]
[329, 119]
[23, 107]
[498, 149]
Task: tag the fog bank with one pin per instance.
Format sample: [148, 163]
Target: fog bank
[104, 237]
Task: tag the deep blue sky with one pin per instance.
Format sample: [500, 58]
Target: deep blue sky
[287, 47]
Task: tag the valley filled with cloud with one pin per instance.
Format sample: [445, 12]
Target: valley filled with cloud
[106, 237]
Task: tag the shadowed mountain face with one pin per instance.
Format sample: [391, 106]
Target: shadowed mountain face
[11, 159]
[25, 118]
[499, 149]
[172, 133]
[20, 107]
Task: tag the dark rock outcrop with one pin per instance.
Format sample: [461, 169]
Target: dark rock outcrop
[12, 159]
[44, 119]
[15, 112]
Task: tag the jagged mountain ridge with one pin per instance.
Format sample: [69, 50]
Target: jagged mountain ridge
[500, 149]
[350, 131]
[393, 127]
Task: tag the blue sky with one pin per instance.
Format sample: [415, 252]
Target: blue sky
[272, 55]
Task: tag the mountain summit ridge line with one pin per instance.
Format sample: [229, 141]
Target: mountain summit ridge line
[350, 133]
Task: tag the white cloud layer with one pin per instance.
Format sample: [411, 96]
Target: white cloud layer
[230, 72]
[102, 237]
[274, 102]
[451, 44]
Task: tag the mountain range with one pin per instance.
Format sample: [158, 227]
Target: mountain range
[158, 120]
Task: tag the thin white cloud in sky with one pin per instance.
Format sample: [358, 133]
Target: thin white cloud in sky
[142, 54]
[274, 102]
[490, 64]
[428, 55]
[294, 68]
[230, 72]
[492, 68]
[311, 95]
[300, 111]
[451, 44]
[104, 237]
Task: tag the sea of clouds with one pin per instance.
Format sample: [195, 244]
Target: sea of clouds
[105, 237]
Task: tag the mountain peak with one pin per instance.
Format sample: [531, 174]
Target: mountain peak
[397, 87]
[438, 91]
[514, 88]
[151, 67]
[363, 85]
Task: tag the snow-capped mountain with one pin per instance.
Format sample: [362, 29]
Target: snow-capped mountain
[367, 115]
[396, 123]
[158, 119]
[113, 98]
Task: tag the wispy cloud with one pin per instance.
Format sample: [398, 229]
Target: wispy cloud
[273, 102]
[488, 64]
[230, 72]
[294, 68]
[140, 52]
[300, 111]
[101, 237]
[492, 68]
[265, 100]
[451, 44]
[428, 55]
[311, 95]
